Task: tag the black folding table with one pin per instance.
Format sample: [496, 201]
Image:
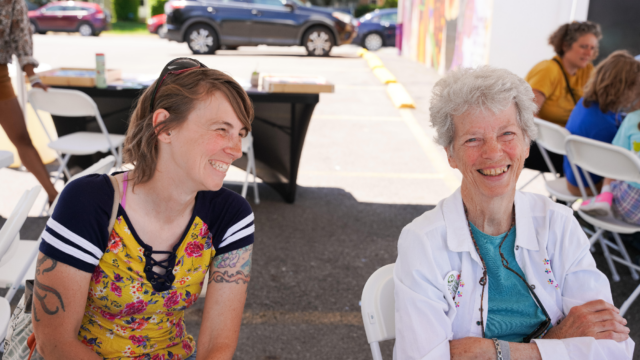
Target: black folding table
[280, 126]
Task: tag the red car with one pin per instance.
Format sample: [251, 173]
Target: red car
[70, 16]
[154, 24]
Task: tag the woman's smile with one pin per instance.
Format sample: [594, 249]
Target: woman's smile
[219, 166]
[494, 171]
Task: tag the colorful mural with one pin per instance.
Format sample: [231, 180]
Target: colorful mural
[445, 34]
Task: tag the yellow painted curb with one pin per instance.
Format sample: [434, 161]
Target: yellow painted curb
[373, 60]
[400, 97]
[384, 75]
[362, 51]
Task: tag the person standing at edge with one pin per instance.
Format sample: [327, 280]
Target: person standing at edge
[15, 38]
[558, 83]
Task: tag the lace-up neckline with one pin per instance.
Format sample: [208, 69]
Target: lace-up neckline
[159, 282]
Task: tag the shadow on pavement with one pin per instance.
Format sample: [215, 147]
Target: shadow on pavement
[311, 261]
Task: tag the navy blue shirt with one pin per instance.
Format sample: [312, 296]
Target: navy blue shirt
[76, 234]
[591, 123]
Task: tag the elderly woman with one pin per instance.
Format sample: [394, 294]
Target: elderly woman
[492, 272]
[123, 294]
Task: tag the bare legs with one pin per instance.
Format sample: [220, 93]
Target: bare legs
[12, 121]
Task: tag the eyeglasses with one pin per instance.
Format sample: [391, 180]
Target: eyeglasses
[175, 66]
[542, 328]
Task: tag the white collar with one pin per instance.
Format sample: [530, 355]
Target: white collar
[459, 238]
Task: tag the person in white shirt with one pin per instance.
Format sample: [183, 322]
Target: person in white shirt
[491, 272]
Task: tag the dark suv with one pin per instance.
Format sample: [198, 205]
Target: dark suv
[208, 24]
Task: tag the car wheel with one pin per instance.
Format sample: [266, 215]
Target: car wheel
[318, 41]
[85, 29]
[373, 42]
[33, 26]
[202, 39]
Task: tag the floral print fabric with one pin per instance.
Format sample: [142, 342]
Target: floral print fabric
[125, 318]
[15, 33]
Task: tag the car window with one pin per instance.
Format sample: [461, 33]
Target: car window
[267, 2]
[390, 18]
[375, 19]
[53, 8]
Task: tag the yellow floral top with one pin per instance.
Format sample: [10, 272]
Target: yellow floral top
[132, 312]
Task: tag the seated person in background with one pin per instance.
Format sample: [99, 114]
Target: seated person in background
[123, 295]
[621, 196]
[610, 92]
[490, 266]
[558, 83]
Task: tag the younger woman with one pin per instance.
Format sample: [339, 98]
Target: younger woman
[122, 295]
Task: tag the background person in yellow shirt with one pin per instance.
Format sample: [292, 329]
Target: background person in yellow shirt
[558, 83]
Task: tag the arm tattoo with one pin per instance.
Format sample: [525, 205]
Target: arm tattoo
[230, 259]
[224, 277]
[41, 291]
[238, 263]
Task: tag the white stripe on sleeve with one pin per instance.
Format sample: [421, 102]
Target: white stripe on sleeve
[74, 238]
[238, 235]
[242, 223]
[68, 249]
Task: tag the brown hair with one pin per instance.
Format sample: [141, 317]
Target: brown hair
[177, 95]
[612, 81]
[567, 34]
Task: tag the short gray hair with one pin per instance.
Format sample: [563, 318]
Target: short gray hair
[482, 88]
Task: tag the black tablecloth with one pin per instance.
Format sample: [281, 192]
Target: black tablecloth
[279, 129]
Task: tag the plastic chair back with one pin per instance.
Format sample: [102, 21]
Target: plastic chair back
[11, 229]
[62, 102]
[101, 167]
[603, 159]
[551, 136]
[247, 142]
[378, 308]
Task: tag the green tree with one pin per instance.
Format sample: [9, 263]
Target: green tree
[157, 7]
[126, 10]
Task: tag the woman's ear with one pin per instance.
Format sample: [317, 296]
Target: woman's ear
[159, 116]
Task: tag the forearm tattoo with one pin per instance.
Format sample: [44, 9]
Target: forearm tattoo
[42, 291]
[238, 263]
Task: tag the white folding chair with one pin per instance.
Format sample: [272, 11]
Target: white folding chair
[11, 247]
[6, 158]
[247, 148]
[616, 163]
[551, 137]
[73, 103]
[101, 167]
[378, 309]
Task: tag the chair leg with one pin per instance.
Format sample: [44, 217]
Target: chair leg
[607, 256]
[62, 167]
[625, 255]
[627, 303]
[256, 197]
[246, 178]
[375, 350]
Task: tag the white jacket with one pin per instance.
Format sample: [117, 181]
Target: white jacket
[551, 249]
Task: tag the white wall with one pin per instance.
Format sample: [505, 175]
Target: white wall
[520, 30]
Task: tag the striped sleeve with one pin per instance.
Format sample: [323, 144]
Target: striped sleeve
[76, 234]
[239, 229]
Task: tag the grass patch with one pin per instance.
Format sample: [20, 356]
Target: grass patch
[128, 27]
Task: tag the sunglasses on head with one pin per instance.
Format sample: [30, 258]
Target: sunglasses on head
[175, 66]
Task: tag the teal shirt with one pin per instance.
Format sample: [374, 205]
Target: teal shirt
[628, 136]
[513, 314]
